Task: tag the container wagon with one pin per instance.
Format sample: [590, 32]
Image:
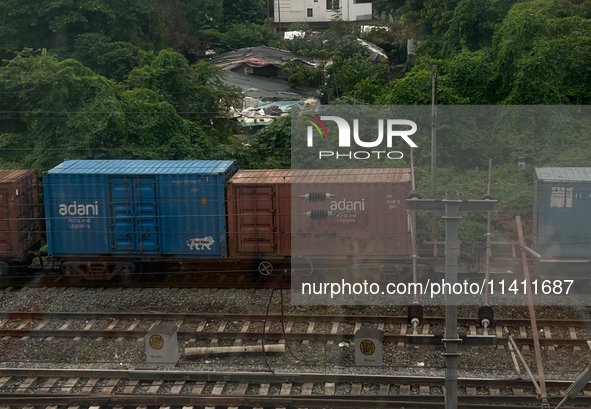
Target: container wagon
[561, 220]
[109, 217]
[20, 217]
[340, 217]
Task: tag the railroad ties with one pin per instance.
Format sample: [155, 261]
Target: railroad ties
[55, 391]
[248, 329]
[304, 333]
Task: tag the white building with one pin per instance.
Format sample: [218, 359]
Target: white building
[320, 11]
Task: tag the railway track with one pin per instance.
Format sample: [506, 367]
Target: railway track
[97, 389]
[137, 388]
[306, 327]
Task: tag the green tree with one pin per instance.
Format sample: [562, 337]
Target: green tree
[196, 91]
[54, 110]
[542, 53]
[472, 77]
[270, 147]
[302, 74]
[355, 76]
[185, 22]
[472, 24]
[113, 60]
[415, 87]
[55, 24]
[242, 35]
[447, 26]
[244, 11]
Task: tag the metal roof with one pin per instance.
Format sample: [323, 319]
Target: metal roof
[274, 176]
[142, 167]
[262, 87]
[259, 56]
[564, 174]
[12, 175]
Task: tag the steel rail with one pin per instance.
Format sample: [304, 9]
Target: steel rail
[320, 401]
[246, 335]
[267, 377]
[510, 322]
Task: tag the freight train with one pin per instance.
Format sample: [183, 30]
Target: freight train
[105, 218]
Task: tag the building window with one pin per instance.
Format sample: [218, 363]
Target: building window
[332, 4]
[310, 12]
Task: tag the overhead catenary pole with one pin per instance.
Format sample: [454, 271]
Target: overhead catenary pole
[452, 208]
[488, 248]
[452, 338]
[433, 145]
[413, 226]
[433, 130]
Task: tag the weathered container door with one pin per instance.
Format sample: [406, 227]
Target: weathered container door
[133, 210]
[5, 228]
[257, 219]
[146, 220]
[122, 214]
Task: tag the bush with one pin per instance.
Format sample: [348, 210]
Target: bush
[247, 35]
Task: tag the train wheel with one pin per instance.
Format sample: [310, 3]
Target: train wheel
[301, 267]
[68, 270]
[265, 268]
[127, 272]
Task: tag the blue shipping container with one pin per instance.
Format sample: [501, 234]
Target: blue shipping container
[137, 208]
[562, 212]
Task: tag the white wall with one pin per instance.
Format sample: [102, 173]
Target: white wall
[292, 11]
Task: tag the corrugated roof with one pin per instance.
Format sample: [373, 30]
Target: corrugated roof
[12, 175]
[564, 174]
[274, 176]
[259, 56]
[263, 87]
[142, 167]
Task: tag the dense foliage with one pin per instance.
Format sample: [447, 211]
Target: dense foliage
[54, 110]
[122, 79]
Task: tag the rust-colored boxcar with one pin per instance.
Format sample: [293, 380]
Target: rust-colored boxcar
[259, 208]
[354, 214]
[20, 223]
[331, 213]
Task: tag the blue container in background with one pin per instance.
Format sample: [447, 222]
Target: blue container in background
[562, 212]
[147, 209]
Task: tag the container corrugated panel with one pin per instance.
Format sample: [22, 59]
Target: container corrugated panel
[137, 208]
[20, 222]
[562, 212]
[265, 207]
[365, 213]
[259, 208]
